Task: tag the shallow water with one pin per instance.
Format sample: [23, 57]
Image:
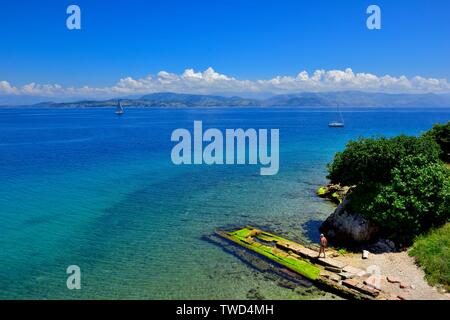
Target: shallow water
[85, 187]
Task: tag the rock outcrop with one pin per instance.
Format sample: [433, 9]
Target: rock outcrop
[382, 246]
[333, 192]
[348, 228]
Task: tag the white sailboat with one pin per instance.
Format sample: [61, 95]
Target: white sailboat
[119, 110]
[337, 124]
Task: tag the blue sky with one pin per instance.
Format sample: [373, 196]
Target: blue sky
[246, 40]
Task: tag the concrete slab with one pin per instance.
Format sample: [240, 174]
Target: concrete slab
[332, 263]
[354, 270]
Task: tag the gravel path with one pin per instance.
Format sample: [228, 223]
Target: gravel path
[403, 267]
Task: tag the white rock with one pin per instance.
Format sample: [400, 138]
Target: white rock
[365, 254]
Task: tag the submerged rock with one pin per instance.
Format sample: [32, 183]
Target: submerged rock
[348, 228]
[254, 294]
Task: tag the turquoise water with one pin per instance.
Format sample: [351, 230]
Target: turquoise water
[84, 187]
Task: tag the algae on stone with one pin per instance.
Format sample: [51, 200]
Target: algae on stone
[296, 264]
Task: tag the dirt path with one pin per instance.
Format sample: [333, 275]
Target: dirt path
[398, 266]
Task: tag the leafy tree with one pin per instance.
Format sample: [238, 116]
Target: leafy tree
[370, 161]
[416, 199]
[441, 134]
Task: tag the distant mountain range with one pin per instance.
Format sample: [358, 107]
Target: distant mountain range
[305, 99]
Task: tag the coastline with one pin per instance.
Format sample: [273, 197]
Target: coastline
[401, 276]
[394, 213]
[386, 276]
[410, 282]
[168, 199]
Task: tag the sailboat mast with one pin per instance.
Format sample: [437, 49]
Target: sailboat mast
[340, 114]
[119, 109]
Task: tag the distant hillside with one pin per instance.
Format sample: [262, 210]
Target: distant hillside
[163, 99]
[192, 100]
[359, 99]
[305, 99]
[24, 100]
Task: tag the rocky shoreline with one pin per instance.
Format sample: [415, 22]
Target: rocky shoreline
[333, 192]
[402, 277]
[349, 229]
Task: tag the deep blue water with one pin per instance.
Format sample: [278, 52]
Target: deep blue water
[85, 187]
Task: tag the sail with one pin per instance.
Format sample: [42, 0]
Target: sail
[340, 115]
[119, 109]
[337, 124]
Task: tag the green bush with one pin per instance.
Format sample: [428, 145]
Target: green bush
[401, 182]
[369, 161]
[441, 134]
[432, 252]
[416, 199]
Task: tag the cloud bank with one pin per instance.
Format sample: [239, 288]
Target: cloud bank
[210, 81]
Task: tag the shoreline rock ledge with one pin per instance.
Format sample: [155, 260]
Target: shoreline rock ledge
[349, 229]
[334, 192]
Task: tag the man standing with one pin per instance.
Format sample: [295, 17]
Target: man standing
[323, 245]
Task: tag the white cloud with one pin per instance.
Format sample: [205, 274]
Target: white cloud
[210, 81]
[6, 88]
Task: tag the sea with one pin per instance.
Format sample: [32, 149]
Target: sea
[88, 188]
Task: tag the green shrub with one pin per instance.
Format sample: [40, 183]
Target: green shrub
[432, 252]
[368, 161]
[416, 199]
[401, 182]
[441, 134]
